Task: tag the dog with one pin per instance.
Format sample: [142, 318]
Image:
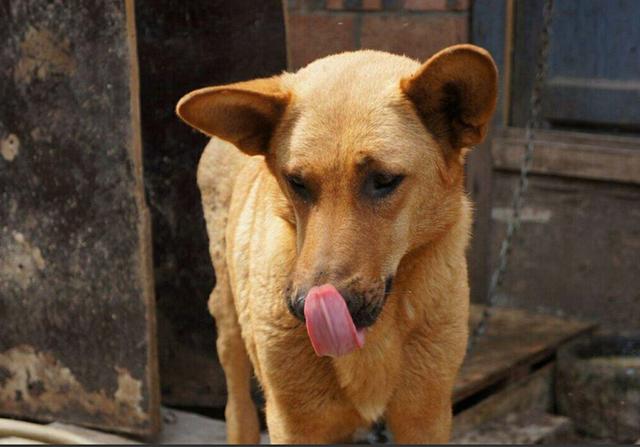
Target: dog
[338, 223]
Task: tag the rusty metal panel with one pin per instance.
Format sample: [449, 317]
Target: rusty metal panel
[77, 336]
[183, 46]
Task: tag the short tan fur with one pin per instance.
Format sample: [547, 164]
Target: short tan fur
[348, 172]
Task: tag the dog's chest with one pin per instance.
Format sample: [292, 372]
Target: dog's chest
[367, 392]
[368, 379]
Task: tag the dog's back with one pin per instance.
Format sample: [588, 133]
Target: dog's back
[218, 169]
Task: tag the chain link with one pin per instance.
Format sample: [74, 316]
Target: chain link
[518, 197]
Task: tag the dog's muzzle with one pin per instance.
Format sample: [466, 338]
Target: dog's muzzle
[364, 307]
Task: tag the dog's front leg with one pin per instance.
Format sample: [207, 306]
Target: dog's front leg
[421, 414]
[240, 412]
[289, 422]
[420, 410]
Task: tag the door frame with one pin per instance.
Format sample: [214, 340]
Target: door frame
[491, 28]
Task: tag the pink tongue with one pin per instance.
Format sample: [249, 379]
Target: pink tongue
[329, 323]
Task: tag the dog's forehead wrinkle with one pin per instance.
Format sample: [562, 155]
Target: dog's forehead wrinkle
[392, 135]
[358, 138]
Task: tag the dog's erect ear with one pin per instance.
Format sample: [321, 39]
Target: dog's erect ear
[455, 93]
[244, 113]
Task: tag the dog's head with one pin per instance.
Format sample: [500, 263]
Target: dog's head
[368, 149]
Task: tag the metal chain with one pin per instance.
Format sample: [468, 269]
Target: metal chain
[518, 197]
[379, 434]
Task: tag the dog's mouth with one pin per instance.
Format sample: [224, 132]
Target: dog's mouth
[336, 323]
[330, 326]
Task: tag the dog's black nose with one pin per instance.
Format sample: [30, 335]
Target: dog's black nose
[295, 303]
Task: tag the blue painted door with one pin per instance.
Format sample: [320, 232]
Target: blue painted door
[593, 82]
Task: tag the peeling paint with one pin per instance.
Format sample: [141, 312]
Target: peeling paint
[19, 261]
[37, 257]
[18, 237]
[527, 215]
[40, 134]
[129, 392]
[9, 147]
[43, 55]
[37, 383]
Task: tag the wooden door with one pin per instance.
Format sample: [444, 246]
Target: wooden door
[576, 251]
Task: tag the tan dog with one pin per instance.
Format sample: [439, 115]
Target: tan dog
[347, 175]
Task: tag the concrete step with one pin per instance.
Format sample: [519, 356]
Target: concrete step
[519, 428]
[179, 427]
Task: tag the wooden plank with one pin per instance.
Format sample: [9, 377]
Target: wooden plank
[592, 101]
[507, 62]
[506, 350]
[488, 20]
[478, 184]
[532, 393]
[598, 139]
[183, 46]
[76, 287]
[528, 27]
[568, 154]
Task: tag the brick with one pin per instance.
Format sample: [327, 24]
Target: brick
[425, 5]
[392, 5]
[334, 4]
[459, 5]
[315, 36]
[305, 5]
[354, 5]
[371, 5]
[416, 36]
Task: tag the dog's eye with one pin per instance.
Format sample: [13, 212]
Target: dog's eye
[298, 186]
[380, 184]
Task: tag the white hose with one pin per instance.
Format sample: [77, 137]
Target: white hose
[41, 433]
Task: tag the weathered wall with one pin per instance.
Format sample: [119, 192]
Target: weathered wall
[417, 28]
[77, 341]
[183, 46]
[576, 253]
